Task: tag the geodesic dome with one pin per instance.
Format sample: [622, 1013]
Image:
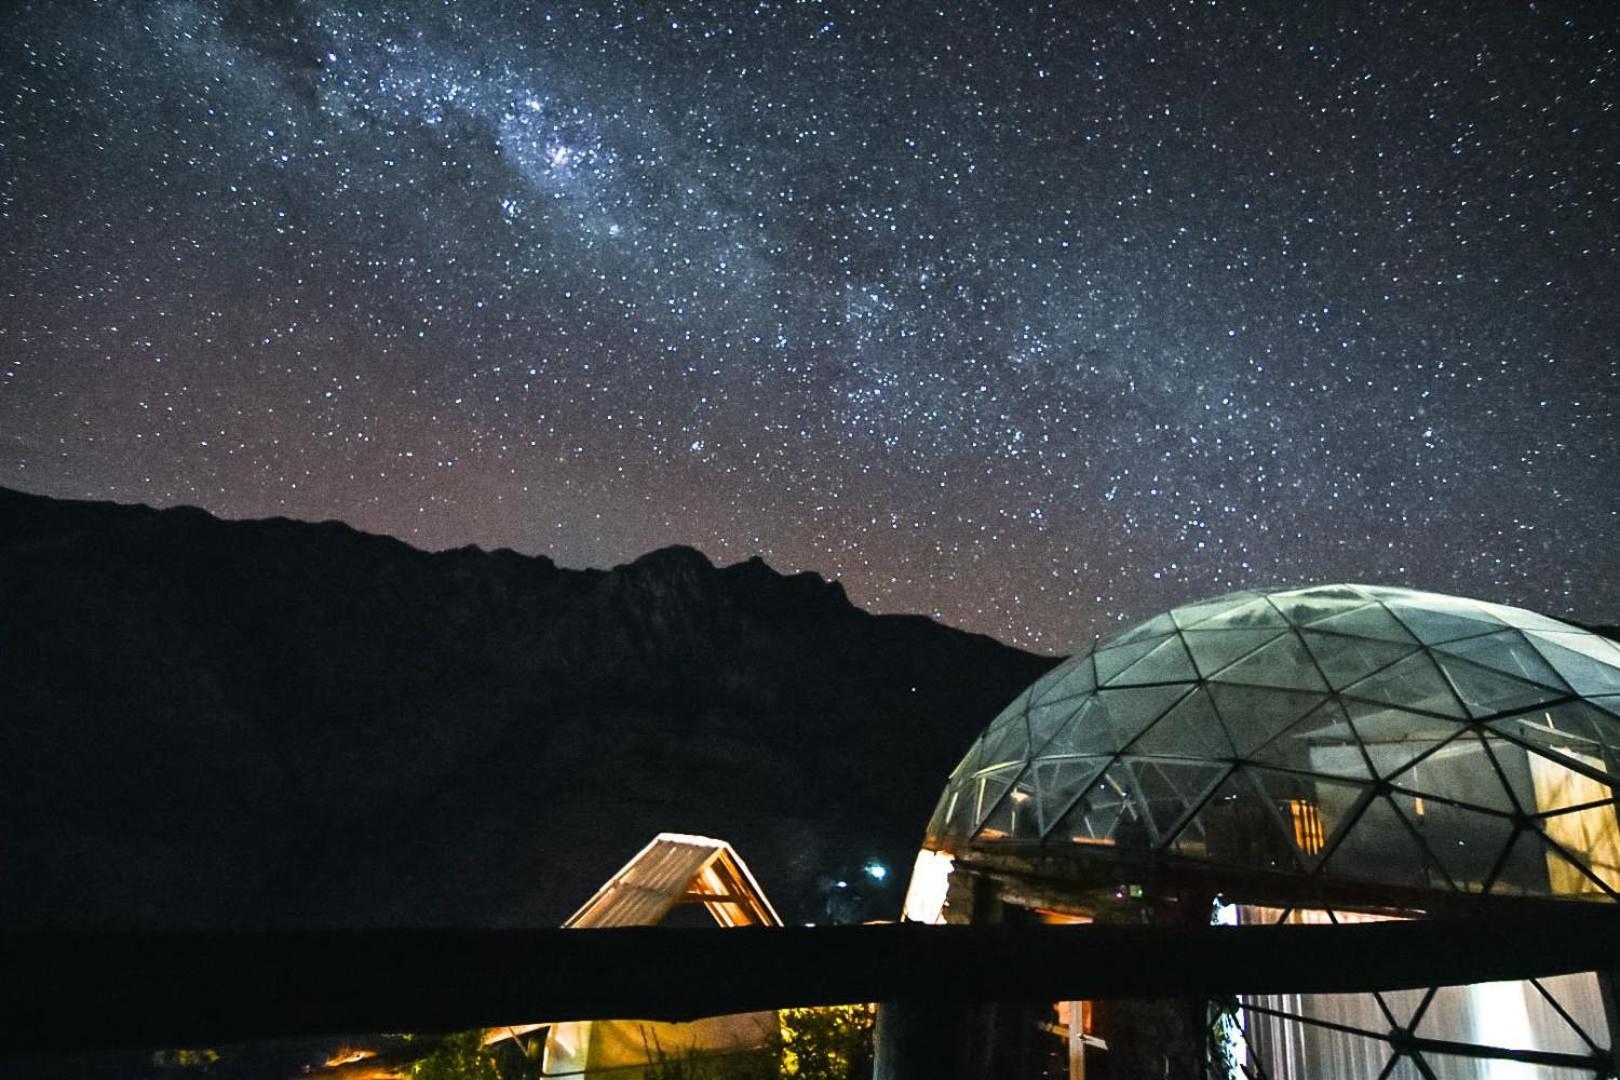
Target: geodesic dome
[1348, 732]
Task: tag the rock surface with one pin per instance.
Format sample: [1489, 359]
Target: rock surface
[211, 724]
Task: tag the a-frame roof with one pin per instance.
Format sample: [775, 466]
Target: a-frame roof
[674, 869]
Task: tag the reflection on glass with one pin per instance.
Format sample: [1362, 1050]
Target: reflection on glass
[1351, 735]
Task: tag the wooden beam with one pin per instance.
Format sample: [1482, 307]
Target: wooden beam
[714, 898]
[63, 990]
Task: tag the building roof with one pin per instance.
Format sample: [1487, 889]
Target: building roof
[674, 869]
[1341, 731]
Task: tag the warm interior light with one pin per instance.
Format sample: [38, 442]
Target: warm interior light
[1590, 831]
[930, 880]
[1307, 820]
[1061, 918]
[348, 1055]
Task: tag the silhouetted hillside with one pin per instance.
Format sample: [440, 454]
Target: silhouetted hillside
[207, 723]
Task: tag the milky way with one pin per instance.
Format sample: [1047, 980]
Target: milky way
[1035, 321]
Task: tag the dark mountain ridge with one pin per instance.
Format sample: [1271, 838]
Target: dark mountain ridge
[207, 723]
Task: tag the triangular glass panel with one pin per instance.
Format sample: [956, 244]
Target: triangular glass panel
[1460, 771]
[1312, 809]
[1012, 714]
[1330, 592]
[1189, 841]
[1391, 757]
[1512, 764]
[1345, 660]
[1238, 826]
[1322, 741]
[1525, 620]
[1562, 782]
[1389, 592]
[1147, 789]
[1378, 846]
[1581, 855]
[1524, 871]
[1609, 703]
[1044, 686]
[1075, 675]
[1254, 714]
[1588, 663]
[1509, 653]
[1156, 627]
[1402, 1005]
[1091, 820]
[970, 760]
[1573, 729]
[1047, 718]
[1214, 649]
[1307, 605]
[1193, 614]
[986, 787]
[1553, 1024]
[1443, 1066]
[1008, 743]
[1373, 621]
[1401, 1067]
[1116, 658]
[1169, 789]
[1107, 808]
[1467, 843]
[1132, 708]
[1488, 693]
[960, 822]
[1358, 1011]
[1254, 614]
[1168, 662]
[940, 826]
[1012, 821]
[1059, 781]
[1460, 605]
[1282, 663]
[1190, 729]
[1015, 817]
[1537, 1026]
[1580, 996]
[1431, 625]
[1377, 723]
[1414, 684]
[1088, 731]
[1287, 1050]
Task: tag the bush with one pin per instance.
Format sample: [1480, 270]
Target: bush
[829, 1043]
[458, 1057]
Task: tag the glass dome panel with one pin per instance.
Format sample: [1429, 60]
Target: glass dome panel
[1347, 731]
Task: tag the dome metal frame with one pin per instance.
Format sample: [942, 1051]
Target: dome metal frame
[1337, 733]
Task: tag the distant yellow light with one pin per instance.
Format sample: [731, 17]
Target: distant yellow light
[930, 880]
[1308, 832]
[348, 1055]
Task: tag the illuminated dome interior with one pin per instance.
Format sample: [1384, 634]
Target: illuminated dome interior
[1349, 732]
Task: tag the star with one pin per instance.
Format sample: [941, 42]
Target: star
[1041, 322]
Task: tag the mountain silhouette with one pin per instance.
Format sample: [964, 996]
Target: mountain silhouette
[211, 724]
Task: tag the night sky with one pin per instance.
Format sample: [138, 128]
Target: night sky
[1035, 320]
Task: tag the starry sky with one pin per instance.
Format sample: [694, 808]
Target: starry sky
[1038, 319]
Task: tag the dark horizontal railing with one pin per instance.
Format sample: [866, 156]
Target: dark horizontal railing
[80, 990]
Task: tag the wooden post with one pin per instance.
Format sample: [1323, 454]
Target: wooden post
[933, 1040]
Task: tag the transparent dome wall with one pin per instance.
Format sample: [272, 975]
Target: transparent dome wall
[1552, 1028]
[1352, 732]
